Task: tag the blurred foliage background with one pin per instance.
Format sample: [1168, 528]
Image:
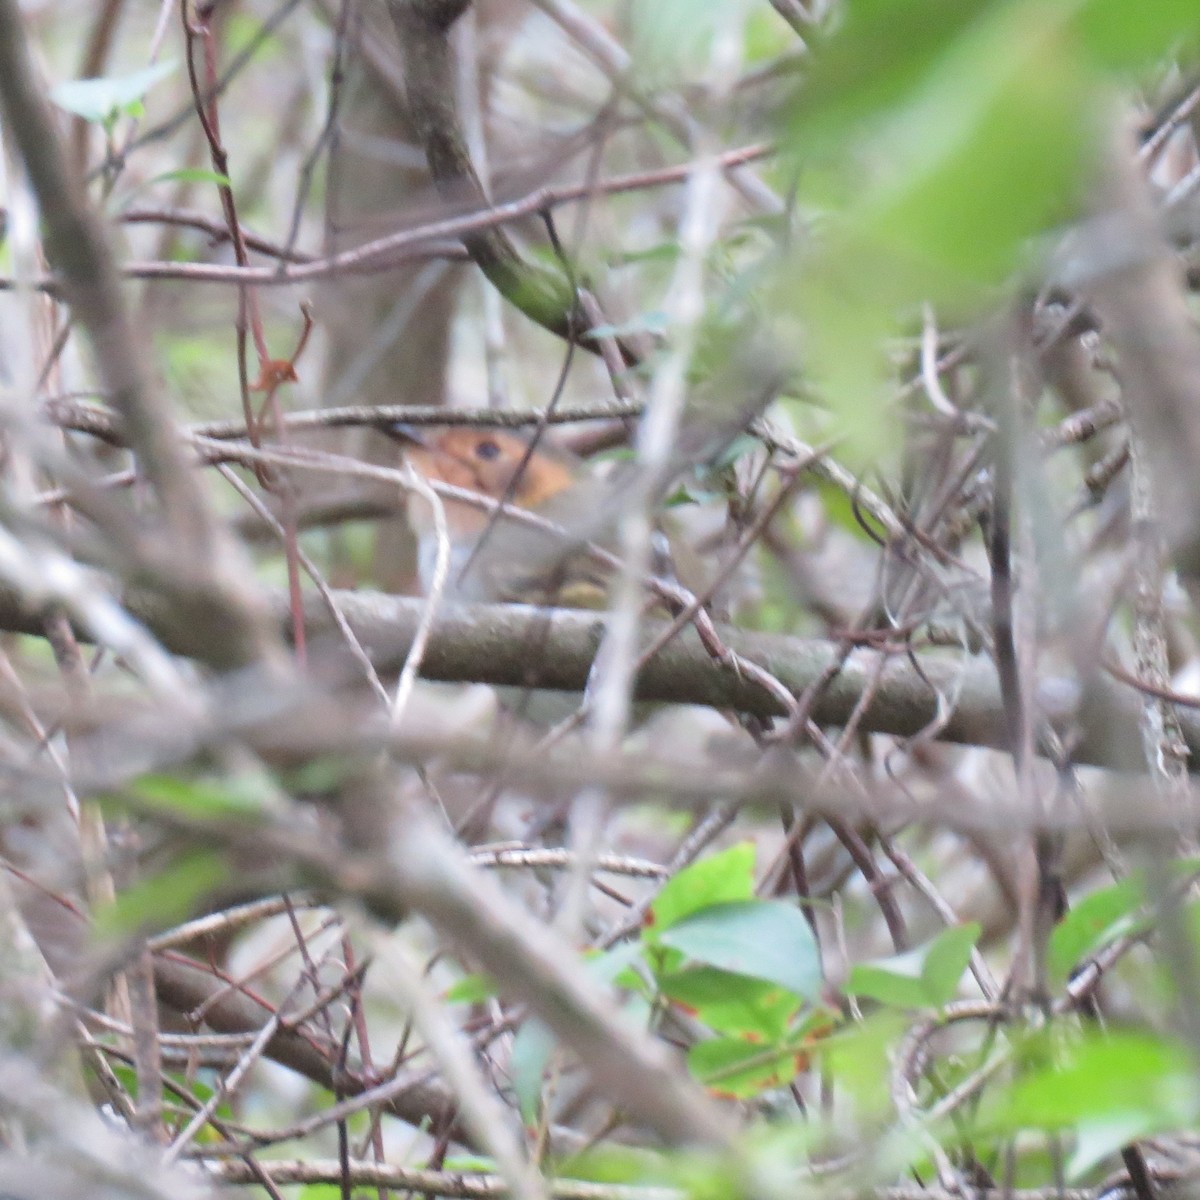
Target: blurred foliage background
[866, 330]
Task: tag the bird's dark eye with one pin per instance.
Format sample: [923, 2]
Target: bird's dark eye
[487, 450]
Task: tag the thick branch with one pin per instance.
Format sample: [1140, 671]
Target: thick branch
[496, 643]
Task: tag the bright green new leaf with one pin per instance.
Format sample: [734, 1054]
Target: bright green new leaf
[100, 99]
[926, 976]
[713, 880]
[764, 939]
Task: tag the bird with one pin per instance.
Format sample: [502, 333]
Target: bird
[501, 560]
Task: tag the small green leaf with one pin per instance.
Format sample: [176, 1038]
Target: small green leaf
[925, 976]
[679, 498]
[1097, 920]
[191, 175]
[713, 880]
[764, 939]
[477, 1163]
[240, 796]
[165, 899]
[100, 99]
[321, 1191]
[470, 989]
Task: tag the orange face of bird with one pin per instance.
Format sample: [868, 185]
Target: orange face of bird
[487, 462]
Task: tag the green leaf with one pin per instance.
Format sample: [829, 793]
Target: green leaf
[470, 989]
[478, 1163]
[1131, 36]
[192, 175]
[1097, 920]
[204, 799]
[736, 1068]
[988, 155]
[100, 99]
[609, 1162]
[732, 1004]
[165, 899]
[764, 939]
[925, 976]
[1113, 1088]
[531, 1052]
[713, 880]
[858, 1057]
[879, 58]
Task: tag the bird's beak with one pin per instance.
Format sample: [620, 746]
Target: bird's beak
[411, 435]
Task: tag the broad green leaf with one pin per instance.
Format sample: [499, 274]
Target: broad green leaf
[1095, 921]
[764, 939]
[733, 1004]
[880, 56]
[989, 155]
[531, 1052]
[713, 880]
[736, 1068]
[100, 99]
[165, 899]
[1115, 1086]
[925, 976]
